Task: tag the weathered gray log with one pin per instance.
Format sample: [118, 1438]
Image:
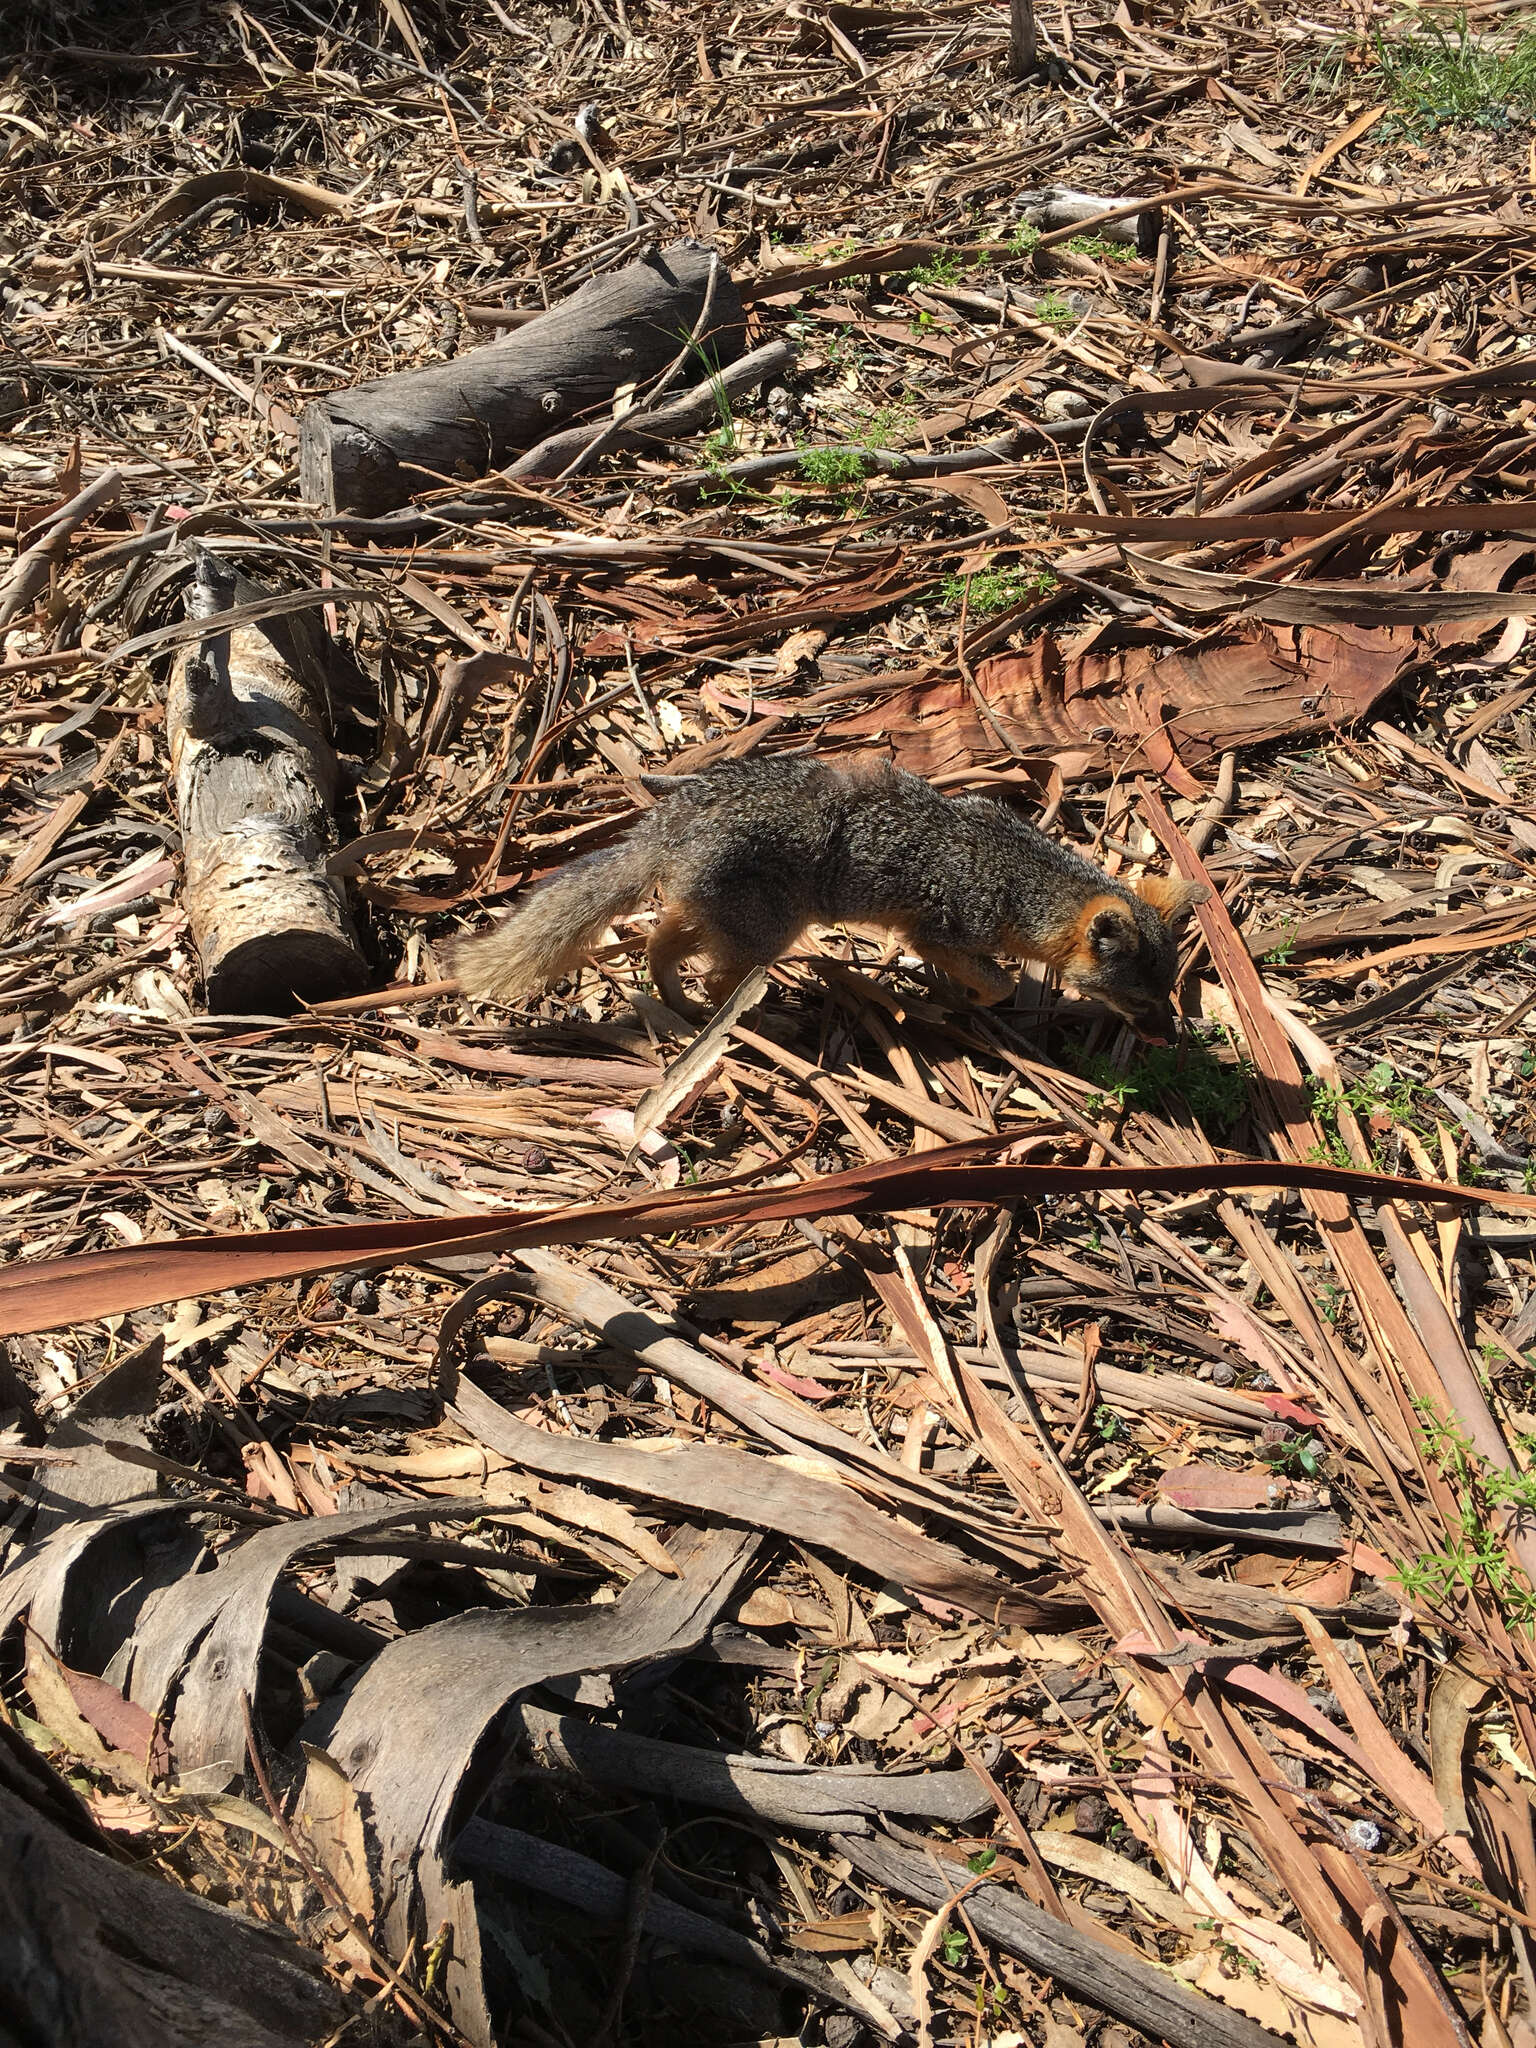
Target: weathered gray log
[371, 448]
[255, 780]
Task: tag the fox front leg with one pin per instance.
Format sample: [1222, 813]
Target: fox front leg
[985, 980]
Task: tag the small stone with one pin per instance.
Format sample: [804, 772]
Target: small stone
[1364, 1835]
[535, 1159]
[216, 1119]
[1090, 1816]
[1064, 405]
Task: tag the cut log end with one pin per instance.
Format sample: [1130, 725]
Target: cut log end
[277, 973]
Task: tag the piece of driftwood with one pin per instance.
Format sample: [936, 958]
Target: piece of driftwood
[255, 780]
[371, 448]
[818, 1798]
[92, 1951]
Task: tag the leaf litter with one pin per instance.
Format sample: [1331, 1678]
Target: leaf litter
[885, 1521]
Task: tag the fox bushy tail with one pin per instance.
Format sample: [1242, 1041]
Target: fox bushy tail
[560, 924]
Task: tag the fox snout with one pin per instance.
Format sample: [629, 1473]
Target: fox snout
[1125, 952]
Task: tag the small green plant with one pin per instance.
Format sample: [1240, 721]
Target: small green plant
[720, 446]
[1330, 1300]
[1295, 1458]
[706, 360]
[1024, 240]
[1322, 73]
[1214, 1091]
[844, 352]
[995, 590]
[1281, 951]
[1332, 1151]
[834, 469]
[955, 1944]
[1381, 1097]
[1102, 248]
[1233, 1960]
[1106, 1423]
[981, 1862]
[1473, 1560]
[1052, 310]
[889, 423]
[943, 269]
[1441, 75]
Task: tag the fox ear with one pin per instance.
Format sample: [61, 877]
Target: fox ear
[1110, 933]
[1171, 896]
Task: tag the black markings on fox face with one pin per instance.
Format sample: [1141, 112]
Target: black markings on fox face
[1124, 951]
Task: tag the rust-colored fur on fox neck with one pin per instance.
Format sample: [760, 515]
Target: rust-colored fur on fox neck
[1069, 945]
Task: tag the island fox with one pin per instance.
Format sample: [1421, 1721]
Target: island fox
[748, 853]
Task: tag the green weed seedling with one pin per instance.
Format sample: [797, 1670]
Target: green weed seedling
[1474, 1559]
[1296, 1458]
[1024, 240]
[1281, 951]
[995, 590]
[1441, 75]
[1215, 1092]
[943, 269]
[1102, 248]
[834, 469]
[889, 423]
[1052, 310]
[1382, 1093]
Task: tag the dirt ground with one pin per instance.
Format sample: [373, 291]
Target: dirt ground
[881, 1519]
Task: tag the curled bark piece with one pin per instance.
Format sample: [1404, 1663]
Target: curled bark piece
[255, 781]
[367, 450]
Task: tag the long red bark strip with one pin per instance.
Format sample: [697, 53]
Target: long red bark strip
[56, 1292]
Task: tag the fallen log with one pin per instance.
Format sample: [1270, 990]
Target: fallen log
[255, 779]
[371, 448]
[92, 1950]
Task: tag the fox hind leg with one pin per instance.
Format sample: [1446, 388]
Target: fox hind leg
[676, 938]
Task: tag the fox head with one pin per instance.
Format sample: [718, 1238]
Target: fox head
[1124, 950]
